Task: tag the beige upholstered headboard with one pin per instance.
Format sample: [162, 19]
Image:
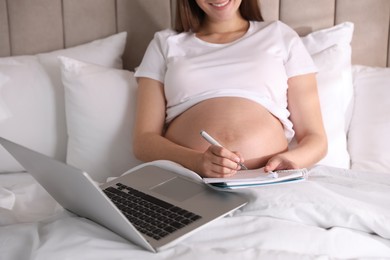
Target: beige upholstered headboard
[33, 26]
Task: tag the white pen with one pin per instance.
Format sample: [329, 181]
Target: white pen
[212, 141]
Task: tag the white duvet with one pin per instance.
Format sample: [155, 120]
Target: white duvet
[335, 214]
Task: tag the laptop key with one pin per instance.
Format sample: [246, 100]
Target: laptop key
[169, 229]
[177, 225]
[158, 202]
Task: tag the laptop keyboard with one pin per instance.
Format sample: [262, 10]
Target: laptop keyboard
[151, 216]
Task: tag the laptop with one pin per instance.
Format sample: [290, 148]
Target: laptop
[152, 207]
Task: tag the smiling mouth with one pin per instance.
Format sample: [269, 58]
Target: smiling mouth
[220, 4]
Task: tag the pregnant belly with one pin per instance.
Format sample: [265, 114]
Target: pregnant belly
[238, 124]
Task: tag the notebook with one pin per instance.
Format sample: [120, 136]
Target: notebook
[257, 177]
[152, 207]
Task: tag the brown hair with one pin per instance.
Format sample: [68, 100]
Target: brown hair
[189, 16]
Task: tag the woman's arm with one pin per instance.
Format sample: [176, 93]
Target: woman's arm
[304, 106]
[150, 144]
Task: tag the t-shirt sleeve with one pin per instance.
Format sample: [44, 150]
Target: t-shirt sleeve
[298, 60]
[153, 64]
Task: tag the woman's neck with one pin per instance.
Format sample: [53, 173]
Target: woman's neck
[223, 31]
[231, 25]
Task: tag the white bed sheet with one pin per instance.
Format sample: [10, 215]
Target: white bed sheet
[334, 214]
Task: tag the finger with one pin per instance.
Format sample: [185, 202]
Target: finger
[242, 160]
[279, 163]
[271, 165]
[215, 166]
[222, 172]
[222, 154]
[217, 171]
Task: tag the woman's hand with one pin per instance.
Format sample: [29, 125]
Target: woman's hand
[219, 162]
[280, 162]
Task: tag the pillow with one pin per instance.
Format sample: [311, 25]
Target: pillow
[100, 104]
[331, 51]
[369, 133]
[34, 97]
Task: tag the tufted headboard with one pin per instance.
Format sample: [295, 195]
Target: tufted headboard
[34, 26]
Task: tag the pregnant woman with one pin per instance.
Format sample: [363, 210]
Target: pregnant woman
[250, 84]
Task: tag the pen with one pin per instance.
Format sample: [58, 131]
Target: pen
[212, 141]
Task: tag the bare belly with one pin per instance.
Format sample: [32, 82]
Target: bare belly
[238, 124]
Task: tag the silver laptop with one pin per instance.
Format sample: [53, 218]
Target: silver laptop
[152, 207]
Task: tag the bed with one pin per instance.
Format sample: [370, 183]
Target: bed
[67, 90]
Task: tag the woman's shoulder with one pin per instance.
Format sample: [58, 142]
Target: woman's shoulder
[164, 34]
[170, 36]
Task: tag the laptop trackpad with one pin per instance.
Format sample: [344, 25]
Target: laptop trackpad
[178, 189]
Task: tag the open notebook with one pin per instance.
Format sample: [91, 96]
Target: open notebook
[257, 177]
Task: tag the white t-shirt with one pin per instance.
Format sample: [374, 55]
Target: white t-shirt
[256, 66]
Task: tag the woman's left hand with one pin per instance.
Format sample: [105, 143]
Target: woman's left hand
[280, 162]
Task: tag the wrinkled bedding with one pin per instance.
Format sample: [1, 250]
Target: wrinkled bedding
[335, 214]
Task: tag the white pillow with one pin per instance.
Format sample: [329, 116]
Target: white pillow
[369, 134]
[34, 97]
[100, 109]
[331, 51]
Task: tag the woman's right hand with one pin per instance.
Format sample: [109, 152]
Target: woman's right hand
[219, 162]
